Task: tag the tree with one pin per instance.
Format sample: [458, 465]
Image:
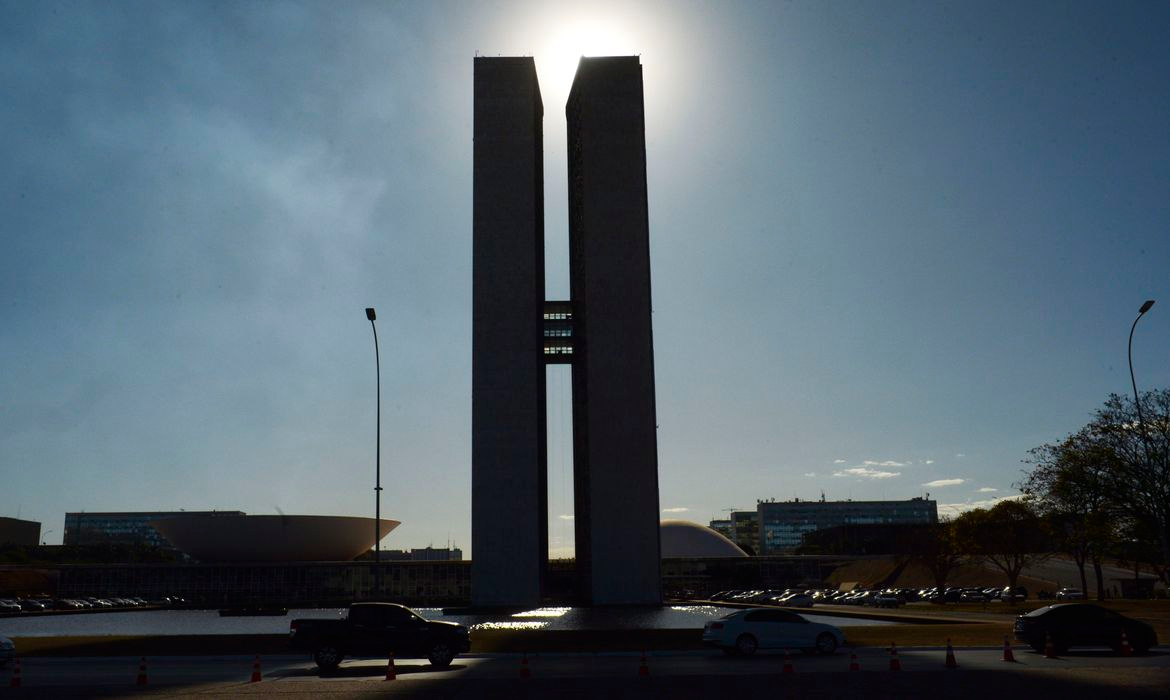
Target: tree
[1009, 536]
[935, 547]
[1141, 483]
[1072, 489]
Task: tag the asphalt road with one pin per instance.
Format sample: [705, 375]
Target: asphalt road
[1091, 674]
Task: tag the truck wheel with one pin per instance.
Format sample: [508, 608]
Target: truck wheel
[441, 655]
[327, 657]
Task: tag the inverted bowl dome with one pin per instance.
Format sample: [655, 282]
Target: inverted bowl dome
[271, 538]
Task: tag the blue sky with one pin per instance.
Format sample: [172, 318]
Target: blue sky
[894, 246]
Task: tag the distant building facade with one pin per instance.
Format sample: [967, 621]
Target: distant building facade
[20, 532]
[125, 528]
[784, 524]
[745, 530]
[432, 554]
[723, 527]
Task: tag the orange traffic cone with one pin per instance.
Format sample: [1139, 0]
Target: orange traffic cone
[853, 665]
[391, 674]
[787, 664]
[256, 677]
[1008, 654]
[1126, 649]
[951, 663]
[141, 672]
[895, 662]
[14, 682]
[524, 670]
[643, 669]
[1049, 650]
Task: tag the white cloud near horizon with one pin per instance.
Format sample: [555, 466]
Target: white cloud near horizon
[867, 473]
[939, 483]
[987, 489]
[952, 510]
[838, 461]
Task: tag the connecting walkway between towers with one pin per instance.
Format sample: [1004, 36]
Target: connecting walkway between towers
[558, 332]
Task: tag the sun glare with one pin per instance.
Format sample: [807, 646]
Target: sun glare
[556, 61]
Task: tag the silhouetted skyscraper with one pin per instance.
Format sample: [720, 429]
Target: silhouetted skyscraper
[509, 501]
[615, 456]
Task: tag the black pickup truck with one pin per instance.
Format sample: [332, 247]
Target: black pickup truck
[379, 629]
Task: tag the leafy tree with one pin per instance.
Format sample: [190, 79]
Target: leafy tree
[1141, 450]
[1009, 536]
[1072, 489]
[935, 547]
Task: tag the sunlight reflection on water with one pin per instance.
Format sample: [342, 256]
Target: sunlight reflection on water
[171, 622]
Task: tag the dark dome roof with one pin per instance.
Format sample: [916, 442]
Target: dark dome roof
[682, 538]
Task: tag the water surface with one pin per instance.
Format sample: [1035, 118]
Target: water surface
[176, 622]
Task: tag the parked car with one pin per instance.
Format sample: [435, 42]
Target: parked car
[972, 595]
[1012, 595]
[885, 600]
[745, 631]
[1070, 594]
[7, 651]
[379, 629]
[1082, 624]
[795, 600]
[9, 606]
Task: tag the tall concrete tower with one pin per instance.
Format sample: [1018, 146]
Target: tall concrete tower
[603, 331]
[615, 455]
[509, 491]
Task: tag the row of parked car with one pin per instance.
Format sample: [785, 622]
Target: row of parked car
[18, 605]
[791, 597]
[883, 597]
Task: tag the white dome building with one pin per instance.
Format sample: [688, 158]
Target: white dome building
[682, 538]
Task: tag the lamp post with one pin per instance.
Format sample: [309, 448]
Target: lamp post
[1136, 399]
[372, 316]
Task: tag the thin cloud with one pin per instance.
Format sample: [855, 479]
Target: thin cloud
[867, 473]
[838, 461]
[929, 461]
[960, 455]
[680, 509]
[939, 483]
[887, 463]
[810, 473]
[987, 489]
[954, 509]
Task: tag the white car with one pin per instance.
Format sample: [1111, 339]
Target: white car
[1070, 594]
[745, 631]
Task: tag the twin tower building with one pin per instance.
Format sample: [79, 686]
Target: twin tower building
[603, 331]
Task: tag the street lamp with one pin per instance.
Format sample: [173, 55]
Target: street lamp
[372, 316]
[1136, 399]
